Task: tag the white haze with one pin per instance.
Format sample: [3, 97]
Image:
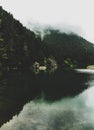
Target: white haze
[67, 114]
[41, 29]
[74, 13]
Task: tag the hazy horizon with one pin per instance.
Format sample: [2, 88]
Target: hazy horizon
[75, 15]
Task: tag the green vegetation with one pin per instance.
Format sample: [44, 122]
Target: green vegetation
[68, 63]
[70, 50]
[20, 48]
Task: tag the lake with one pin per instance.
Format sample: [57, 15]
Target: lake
[62, 100]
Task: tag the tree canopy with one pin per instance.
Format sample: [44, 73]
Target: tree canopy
[20, 48]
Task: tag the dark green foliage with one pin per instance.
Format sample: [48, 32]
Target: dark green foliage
[50, 63]
[20, 48]
[70, 46]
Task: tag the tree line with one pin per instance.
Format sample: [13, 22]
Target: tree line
[20, 47]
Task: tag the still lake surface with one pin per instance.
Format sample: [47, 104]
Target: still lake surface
[62, 100]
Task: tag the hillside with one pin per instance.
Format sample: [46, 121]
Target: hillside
[70, 47]
[20, 47]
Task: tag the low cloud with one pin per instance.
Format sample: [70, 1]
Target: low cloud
[41, 29]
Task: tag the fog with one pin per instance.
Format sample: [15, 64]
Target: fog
[75, 13]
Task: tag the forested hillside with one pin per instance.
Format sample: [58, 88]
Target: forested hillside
[70, 49]
[20, 47]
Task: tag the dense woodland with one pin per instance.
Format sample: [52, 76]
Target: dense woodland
[20, 47]
[70, 50]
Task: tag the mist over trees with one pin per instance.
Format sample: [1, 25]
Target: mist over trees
[22, 50]
[20, 47]
[70, 46]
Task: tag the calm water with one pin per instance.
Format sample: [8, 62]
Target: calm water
[62, 100]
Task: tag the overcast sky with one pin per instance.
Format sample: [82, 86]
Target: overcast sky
[76, 14]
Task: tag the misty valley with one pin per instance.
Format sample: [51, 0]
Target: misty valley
[46, 78]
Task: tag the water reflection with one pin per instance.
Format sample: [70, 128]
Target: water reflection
[66, 114]
[17, 88]
[26, 85]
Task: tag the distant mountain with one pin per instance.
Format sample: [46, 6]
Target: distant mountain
[70, 47]
[20, 47]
